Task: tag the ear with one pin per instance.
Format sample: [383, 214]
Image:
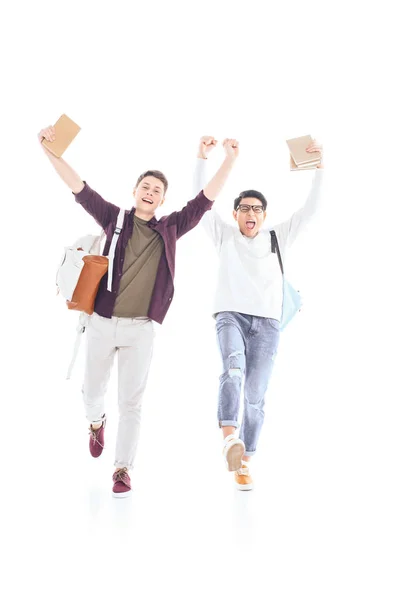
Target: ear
[235, 215]
[265, 215]
[162, 201]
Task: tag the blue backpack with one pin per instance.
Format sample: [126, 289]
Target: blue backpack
[292, 301]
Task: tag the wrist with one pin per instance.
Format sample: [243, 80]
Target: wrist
[201, 155]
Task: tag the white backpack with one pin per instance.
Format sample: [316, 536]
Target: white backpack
[71, 266]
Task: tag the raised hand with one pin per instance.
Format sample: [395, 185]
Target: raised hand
[207, 143]
[231, 147]
[49, 134]
[67, 174]
[316, 147]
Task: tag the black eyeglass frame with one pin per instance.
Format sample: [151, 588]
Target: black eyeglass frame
[249, 206]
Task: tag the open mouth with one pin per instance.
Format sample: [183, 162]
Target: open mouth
[147, 200]
[250, 224]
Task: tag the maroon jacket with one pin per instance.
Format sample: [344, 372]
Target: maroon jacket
[170, 227]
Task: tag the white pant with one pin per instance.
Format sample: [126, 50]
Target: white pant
[133, 339]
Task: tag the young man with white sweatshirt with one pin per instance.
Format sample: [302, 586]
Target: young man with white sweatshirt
[248, 308]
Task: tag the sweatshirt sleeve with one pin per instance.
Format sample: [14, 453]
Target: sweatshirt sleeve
[211, 221]
[290, 229]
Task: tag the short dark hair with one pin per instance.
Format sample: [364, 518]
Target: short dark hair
[157, 175]
[250, 194]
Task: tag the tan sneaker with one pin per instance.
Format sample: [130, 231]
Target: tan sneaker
[233, 452]
[243, 478]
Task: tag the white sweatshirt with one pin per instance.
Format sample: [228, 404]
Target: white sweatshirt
[249, 278]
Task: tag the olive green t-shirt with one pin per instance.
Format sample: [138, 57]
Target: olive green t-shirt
[142, 257]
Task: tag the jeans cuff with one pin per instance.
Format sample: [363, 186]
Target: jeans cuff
[123, 465]
[228, 424]
[249, 453]
[102, 418]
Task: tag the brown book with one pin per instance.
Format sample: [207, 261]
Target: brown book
[300, 158]
[66, 131]
[294, 167]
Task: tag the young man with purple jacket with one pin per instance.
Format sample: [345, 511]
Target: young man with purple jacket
[142, 291]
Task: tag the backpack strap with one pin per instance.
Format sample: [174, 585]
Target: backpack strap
[275, 248]
[82, 324]
[118, 229]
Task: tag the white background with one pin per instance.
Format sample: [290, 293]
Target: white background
[145, 81]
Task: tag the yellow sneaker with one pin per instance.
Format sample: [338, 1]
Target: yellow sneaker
[233, 451]
[243, 478]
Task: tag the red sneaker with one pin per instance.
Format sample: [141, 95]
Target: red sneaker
[96, 441]
[122, 483]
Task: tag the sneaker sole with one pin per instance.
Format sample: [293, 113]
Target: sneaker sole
[122, 494]
[244, 487]
[96, 455]
[234, 457]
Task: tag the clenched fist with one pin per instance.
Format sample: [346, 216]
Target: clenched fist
[207, 143]
[231, 148]
[49, 134]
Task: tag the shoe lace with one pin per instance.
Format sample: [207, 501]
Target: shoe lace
[244, 470]
[121, 475]
[94, 433]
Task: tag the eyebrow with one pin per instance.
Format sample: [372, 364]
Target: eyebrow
[157, 187]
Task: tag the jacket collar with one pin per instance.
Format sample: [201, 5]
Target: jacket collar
[153, 221]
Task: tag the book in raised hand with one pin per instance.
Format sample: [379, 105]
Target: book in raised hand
[300, 159]
[66, 131]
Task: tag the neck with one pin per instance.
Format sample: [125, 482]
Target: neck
[249, 237]
[143, 215]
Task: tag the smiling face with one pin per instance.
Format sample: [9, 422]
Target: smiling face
[149, 195]
[250, 216]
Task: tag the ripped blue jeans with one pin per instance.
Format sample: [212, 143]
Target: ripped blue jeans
[248, 346]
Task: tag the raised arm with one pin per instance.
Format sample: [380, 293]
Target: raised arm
[290, 229]
[102, 211]
[206, 144]
[214, 187]
[67, 174]
[211, 221]
[192, 213]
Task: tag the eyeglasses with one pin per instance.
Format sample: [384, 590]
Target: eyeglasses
[257, 208]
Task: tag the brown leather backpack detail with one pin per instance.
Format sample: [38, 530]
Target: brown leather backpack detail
[84, 296]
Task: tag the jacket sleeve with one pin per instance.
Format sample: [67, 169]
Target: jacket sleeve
[102, 211]
[190, 215]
